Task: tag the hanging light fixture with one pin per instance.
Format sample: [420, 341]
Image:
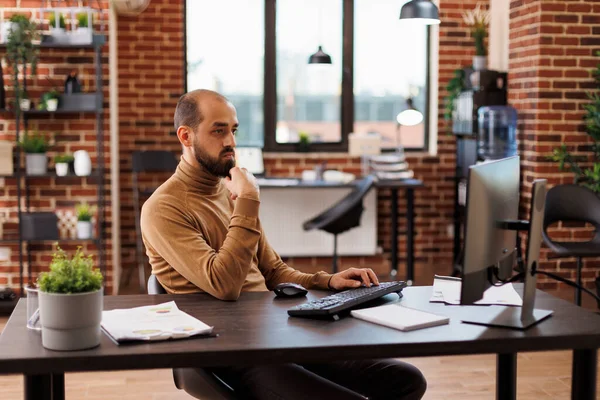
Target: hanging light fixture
[320, 57]
[422, 11]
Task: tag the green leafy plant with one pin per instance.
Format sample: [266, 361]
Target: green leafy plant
[63, 158]
[478, 19]
[585, 176]
[21, 52]
[70, 275]
[61, 21]
[34, 144]
[84, 212]
[455, 87]
[82, 19]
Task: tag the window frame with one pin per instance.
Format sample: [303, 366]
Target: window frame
[270, 143]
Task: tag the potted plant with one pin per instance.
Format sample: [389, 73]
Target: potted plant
[70, 301]
[57, 28]
[303, 141]
[24, 100]
[35, 147]
[61, 163]
[478, 19]
[84, 220]
[83, 33]
[586, 176]
[21, 52]
[50, 100]
[13, 23]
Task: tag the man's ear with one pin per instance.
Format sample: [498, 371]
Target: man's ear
[184, 134]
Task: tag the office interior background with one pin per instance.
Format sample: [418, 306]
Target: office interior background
[547, 48]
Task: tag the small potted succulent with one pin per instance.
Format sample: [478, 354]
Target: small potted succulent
[84, 220]
[303, 141]
[70, 301]
[50, 99]
[61, 163]
[57, 28]
[35, 147]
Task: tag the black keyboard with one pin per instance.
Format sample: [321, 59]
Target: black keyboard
[332, 305]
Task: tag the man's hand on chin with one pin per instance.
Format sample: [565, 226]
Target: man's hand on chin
[241, 184]
[353, 278]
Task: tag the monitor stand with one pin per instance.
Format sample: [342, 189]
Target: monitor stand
[525, 316]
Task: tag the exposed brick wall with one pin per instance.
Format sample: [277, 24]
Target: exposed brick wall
[70, 132]
[551, 59]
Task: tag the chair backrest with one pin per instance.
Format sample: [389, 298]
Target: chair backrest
[572, 203]
[345, 213]
[154, 161]
[154, 286]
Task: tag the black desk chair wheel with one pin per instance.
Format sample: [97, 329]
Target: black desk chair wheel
[143, 162]
[197, 382]
[342, 216]
[573, 203]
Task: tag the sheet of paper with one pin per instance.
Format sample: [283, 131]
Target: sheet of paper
[155, 322]
[447, 289]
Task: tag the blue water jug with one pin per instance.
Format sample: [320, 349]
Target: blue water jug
[497, 135]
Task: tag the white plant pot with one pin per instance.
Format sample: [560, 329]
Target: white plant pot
[81, 36]
[480, 63]
[25, 104]
[7, 26]
[36, 164]
[59, 35]
[83, 163]
[62, 169]
[70, 321]
[84, 229]
[52, 104]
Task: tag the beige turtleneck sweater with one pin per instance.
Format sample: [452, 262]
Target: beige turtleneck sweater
[199, 240]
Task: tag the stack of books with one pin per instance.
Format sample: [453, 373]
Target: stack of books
[390, 166]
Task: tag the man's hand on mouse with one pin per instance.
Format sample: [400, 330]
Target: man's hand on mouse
[241, 184]
[353, 278]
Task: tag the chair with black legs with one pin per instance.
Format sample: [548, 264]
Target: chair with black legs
[197, 382]
[342, 216]
[145, 162]
[573, 203]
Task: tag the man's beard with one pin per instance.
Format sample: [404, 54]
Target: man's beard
[216, 166]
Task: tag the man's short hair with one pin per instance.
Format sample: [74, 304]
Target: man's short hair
[188, 113]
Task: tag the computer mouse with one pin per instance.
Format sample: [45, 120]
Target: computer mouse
[288, 289]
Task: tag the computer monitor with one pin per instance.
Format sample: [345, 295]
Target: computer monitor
[490, 245]
[492, 197]
[250, 158]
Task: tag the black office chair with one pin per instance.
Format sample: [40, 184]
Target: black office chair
[142, 162]
[342, 216]
[573, 203]
[197, 382]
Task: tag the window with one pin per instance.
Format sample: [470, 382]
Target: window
[225, 52]
[259, 60]
[388, 73]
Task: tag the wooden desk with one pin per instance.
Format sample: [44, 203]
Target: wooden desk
[257, 330]
[408, 185]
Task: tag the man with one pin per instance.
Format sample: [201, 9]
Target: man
[202, 234]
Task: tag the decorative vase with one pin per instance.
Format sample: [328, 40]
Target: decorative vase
[70, 321]
[51, 104]
[36, 164]
[83, 163]
[480, 63]
[25, 104]
[84, 229]
[62, 169]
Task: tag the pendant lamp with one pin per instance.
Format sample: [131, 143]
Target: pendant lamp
[422, 11]
[320, 57]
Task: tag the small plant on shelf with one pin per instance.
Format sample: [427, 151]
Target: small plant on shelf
[61, 163]
[52, 21]
[303, 141]
[35, 147]
[70, 300]
[84, 213]
[82, 20]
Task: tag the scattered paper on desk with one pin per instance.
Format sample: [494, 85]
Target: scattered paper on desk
[446, 289]
[156, 322]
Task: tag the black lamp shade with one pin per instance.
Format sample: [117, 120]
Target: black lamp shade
[320, 57]
[423, 10]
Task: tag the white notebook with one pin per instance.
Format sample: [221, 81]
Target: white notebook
[400, 317]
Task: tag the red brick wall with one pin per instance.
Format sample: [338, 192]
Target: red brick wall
[71, 132]
[551, 59]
